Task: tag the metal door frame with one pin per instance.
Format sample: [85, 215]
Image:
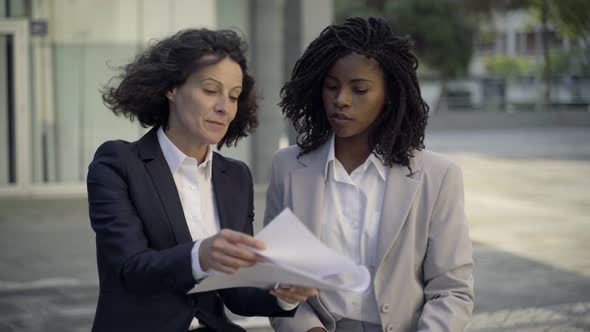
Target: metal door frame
[19, 30]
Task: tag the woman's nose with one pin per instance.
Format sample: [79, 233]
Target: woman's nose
[342, 99]
[221, 105]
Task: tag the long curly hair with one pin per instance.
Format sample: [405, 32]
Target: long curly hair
[144, 83]
[399, 130]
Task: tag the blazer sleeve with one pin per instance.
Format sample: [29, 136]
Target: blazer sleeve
[448, 264]
[121, 243]
[274, 194]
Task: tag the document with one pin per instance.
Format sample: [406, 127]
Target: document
[293, 256]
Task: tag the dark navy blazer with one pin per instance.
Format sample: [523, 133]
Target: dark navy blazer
[143, 244]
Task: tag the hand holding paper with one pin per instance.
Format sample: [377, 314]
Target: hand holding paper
[226, 252]
[305, 262]
[292, 294]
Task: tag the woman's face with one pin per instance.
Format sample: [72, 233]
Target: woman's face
[353, 95]
[202, 108]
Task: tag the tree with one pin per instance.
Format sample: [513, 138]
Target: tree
[570, 17]
[443, 34]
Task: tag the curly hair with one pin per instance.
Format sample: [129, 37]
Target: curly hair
[144, 83]
[399, 130]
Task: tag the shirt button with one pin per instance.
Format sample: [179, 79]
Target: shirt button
[389, 328]
[385, 308]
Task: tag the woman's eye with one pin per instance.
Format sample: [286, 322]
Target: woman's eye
[234, 99]
[209, 91]
[361, 91]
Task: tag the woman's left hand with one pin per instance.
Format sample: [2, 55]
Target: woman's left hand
[293, 294]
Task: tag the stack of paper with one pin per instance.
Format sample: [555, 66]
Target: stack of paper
[293, 256]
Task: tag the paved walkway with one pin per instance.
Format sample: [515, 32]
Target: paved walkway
[527, 199]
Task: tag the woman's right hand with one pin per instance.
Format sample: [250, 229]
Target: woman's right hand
[225, 251]
[293, 294]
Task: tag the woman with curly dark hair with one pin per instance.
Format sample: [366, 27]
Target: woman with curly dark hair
[361, 180]
[166, 209]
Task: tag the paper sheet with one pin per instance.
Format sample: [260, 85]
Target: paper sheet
[293, 256]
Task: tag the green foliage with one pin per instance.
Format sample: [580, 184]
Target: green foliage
[488, 6]
[442, 31]
[487, 36]
[570, 17]
[510, 66]
[573, 17]
[348, 8]
[574, 62]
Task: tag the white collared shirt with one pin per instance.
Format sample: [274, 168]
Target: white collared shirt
[195, 188]
[193, 183]
[352, 214]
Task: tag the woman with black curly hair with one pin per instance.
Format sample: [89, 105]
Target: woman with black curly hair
[166, 209]
[361, 180]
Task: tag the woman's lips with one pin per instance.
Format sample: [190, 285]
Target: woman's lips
[216, 123]
[340, 118]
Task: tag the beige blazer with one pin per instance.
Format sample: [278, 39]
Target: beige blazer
[424, 281]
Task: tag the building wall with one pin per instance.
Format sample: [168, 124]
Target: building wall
[4, 139]
[87, 43]
[12, 9]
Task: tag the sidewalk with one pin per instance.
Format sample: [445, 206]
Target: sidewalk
[527, 200]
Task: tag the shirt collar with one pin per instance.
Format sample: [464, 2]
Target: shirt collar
[174, 157]
[378, 165]
[331, 156]
[371, 160]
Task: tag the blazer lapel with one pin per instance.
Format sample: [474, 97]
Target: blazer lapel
[308, 183]
[221, 188]
[157, 167]
[400, 192]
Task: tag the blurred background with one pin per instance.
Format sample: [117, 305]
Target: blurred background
[508, 83]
